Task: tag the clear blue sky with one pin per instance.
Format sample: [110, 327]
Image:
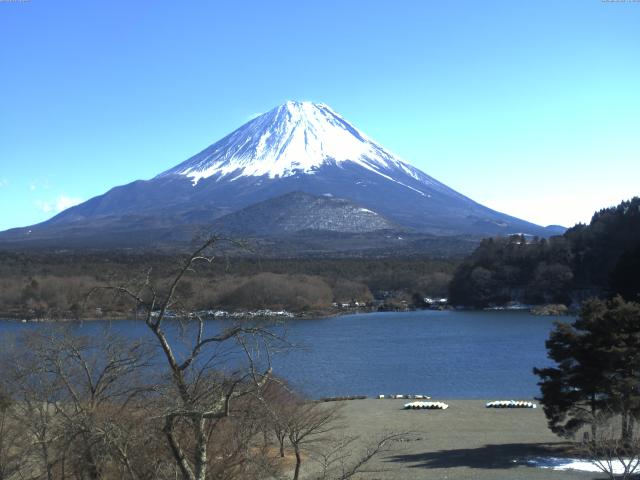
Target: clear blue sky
[532, 108]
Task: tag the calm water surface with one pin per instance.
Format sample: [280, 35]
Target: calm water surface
[447, 354]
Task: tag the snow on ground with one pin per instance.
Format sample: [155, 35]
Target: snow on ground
[577, 464]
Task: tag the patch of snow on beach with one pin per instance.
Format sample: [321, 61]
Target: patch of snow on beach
[576, 464]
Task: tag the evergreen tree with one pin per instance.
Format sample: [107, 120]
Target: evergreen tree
[597, 370]
[625, 278]
[602, 258]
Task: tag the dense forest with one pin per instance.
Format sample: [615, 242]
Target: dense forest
[602, 258]
[599, 259]
[55, 284]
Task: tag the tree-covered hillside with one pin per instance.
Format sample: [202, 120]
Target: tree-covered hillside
[601, 258]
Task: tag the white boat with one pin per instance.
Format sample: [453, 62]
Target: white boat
[511, 404]
[426, 405]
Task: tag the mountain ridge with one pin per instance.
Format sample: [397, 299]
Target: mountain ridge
[296, 147]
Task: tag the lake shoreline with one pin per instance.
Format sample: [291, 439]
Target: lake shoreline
[125, 317]
[239, 315]
[544, 310]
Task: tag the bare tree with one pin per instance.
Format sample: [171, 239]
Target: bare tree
[75, 397]
[13, 446]
[338, 459]
[310, 423]
[314, 431]
[615, 452]
[100, 378]
[279, 403]
[201, 388]
[35, 395]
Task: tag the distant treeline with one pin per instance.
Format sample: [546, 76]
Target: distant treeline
[602, 258]
[55, 284]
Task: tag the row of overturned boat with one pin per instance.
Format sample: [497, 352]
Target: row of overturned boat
[222, 314]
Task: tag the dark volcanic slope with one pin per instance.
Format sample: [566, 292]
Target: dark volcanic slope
[299, 211]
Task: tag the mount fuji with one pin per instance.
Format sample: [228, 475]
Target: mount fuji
[298, 169]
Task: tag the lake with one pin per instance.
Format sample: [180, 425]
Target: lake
[448, 354]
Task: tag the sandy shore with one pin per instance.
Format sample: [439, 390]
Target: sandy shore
[466, 441]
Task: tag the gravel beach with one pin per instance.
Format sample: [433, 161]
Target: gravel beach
[466, 441]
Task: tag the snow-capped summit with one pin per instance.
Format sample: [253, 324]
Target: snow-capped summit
[296, 137]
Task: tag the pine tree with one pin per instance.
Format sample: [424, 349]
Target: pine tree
[597, 372]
